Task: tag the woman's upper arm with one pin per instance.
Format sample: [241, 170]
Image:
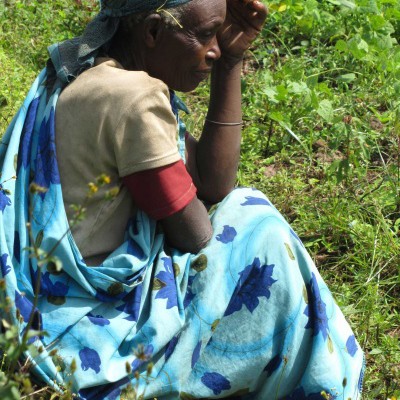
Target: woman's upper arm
[189, 229]
[168, 194]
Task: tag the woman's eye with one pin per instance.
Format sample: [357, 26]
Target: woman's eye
[207, 35]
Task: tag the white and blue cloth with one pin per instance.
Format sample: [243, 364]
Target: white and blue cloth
[249, 317]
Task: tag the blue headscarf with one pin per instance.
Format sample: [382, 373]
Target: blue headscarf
[72, 57]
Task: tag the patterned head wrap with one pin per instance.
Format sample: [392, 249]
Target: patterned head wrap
[73, 56]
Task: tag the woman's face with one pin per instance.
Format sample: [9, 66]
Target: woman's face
[184, 57]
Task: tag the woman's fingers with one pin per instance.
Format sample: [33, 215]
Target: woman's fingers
[253, 12]
[243, 23]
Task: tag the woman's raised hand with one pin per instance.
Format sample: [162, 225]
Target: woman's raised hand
[243, 23]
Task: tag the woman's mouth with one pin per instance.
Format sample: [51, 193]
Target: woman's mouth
[203, 74]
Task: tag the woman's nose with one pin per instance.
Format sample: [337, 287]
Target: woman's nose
[214, 52]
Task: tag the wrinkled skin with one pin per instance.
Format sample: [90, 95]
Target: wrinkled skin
[214, 36]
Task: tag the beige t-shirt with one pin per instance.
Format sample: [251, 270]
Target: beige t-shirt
[115, 122]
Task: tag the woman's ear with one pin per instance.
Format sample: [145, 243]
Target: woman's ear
[153, 26]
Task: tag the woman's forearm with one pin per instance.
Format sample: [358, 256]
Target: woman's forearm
[218, 150]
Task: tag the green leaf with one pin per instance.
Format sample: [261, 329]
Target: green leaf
[177, 269]
[305, 294]
[358, 47]
[186, 396]
[298, 87]
[290, 252]
[325, 110]
[271, 94]
[39, 238]
[56, 300]
[375, 351]
[33, 333]
[347, 77]
[200, 263]
[215, 324]
[281, 93]
[330, 345]
[5, 324]
[343, 3]
[377, 21]
[158, 284]
[276, 116]
[9, 392]
[54, 266]
[13, 352]
[341, 45]
[115, 289]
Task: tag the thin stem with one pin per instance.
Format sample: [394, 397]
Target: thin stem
[38, 391]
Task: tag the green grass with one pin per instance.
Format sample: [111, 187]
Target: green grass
[321, 139]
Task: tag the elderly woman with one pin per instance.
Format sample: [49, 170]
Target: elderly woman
[158, 291]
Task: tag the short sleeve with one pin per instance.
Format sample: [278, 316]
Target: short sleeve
[163, 191]
[146, 133]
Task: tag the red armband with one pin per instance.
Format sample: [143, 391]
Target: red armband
[163, 191]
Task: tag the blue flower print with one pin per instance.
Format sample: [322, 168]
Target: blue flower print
[167, 277]
[17, 247]
[254, 282]
[90, 359]
[114, 395]
[171, 347]
[351, 345]
[5, 269]
[24, 151]
[316, 310]
[196, 354]
[24, 306]
[55, 292]
[98, 320]
[255, 201]
[189, 293]
[216, 382]
[46, 169]
[32, 339]
[131, 305]
[4, 200]
[109, 391]
[48, 288]
[143, 355]
[299, 394]
[273, 365]
[227, 235]
[135, 250]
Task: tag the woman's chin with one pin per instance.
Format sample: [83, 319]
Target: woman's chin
[185, 88]
[189, 86]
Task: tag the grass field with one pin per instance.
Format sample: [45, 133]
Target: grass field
[321, 96]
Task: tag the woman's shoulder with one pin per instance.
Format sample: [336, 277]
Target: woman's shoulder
[107, 83]
[108, 89]
[108, 78]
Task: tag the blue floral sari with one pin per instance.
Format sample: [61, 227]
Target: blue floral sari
[249, 317]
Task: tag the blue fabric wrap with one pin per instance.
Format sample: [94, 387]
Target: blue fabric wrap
[72, 57]
[249, 317]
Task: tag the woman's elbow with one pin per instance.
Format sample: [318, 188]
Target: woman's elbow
[214, 195]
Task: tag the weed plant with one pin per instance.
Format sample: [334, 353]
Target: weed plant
[321, 96]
